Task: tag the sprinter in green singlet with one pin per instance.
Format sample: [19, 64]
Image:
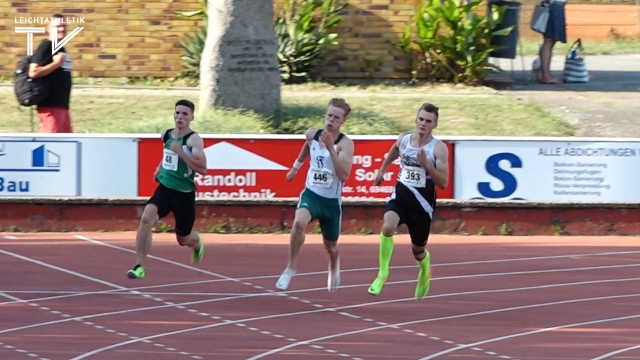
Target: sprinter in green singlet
[331, 158]
[183, 156]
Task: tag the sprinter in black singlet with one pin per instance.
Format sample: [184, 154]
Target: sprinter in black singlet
[423, 165]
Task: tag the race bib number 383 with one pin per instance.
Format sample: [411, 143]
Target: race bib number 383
[413, 176]
[170, 160]
[321, 178]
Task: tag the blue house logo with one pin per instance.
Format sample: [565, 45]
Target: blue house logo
[43, 158]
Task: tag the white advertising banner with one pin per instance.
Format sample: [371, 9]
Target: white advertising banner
[547, 171]
[39, 168]
[89, 165]
[109, 167]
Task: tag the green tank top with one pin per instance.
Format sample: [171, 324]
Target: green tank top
[174, 172]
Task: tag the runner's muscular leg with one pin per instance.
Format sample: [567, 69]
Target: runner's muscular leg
[184, 228]
[419, 233]
[390, 223]
[143, 237]
[185, 216]
[333, 279]
[424, 275]
[192, 240]
[296, 240]
[334, 252]
[419, 252]
[297, 237]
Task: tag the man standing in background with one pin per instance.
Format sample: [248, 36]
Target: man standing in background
[53, 110]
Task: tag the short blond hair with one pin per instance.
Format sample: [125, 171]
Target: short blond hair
[341, 104]
[430, 108]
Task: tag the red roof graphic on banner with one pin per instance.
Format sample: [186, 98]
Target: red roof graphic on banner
[257, 168]
[226, 156]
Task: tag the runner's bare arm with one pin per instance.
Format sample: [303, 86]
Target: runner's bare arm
[440, 172]
[305, 152]
[303, 155]
[155, 174]
[392, 155]
[343, 158]
[198, 160]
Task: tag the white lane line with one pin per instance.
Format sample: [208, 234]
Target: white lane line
[500, 310]
[117, 291]
[530, 333]
[620, 351]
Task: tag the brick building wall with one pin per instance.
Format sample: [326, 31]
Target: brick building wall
[140, 38]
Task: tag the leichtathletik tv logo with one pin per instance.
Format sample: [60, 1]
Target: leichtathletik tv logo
[39, 25]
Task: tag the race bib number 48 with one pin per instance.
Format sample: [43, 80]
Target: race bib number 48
[321, 178]
[170, 160]
[413, 176]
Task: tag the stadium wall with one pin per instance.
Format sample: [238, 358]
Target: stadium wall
[140, 38]
[225, 216]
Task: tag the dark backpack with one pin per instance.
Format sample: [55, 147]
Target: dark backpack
[29, 91]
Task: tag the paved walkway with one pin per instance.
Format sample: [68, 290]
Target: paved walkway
[607, 106]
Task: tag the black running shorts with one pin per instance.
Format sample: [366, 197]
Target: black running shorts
[417, 220]
[181, 204]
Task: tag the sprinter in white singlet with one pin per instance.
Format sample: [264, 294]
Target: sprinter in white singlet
[330, 159]
[424, 164]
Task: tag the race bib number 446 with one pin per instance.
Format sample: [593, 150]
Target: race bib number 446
[413, 176]
[321, 178]
[170, 160]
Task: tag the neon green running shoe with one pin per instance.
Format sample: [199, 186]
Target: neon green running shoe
[424, 280]
[136, 273]
[376, 286]
[422, 288]
[198, 253]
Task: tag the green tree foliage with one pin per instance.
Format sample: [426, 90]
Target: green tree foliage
[302, 30]
[452, 41]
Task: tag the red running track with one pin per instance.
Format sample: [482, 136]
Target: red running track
[66, 296]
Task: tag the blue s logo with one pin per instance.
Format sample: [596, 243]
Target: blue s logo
[510, 184]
